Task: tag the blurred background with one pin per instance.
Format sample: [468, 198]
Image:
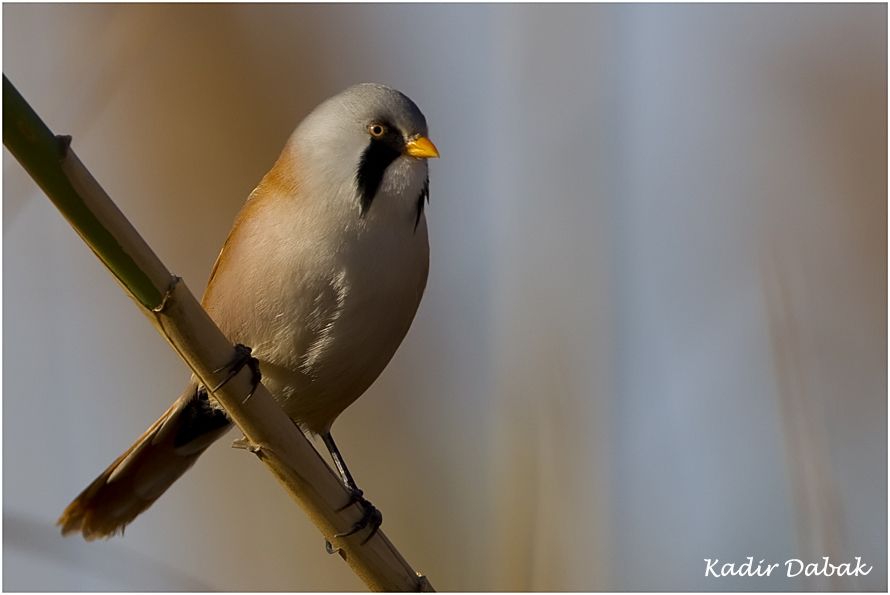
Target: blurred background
[655, 329]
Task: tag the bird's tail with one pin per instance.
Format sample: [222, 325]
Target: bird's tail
[139, 476]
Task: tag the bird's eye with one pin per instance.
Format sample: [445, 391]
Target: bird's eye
[377, 130]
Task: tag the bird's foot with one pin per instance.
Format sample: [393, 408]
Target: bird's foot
[242, 358]
[371, 517]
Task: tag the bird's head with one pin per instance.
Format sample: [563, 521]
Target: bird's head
[372, 139]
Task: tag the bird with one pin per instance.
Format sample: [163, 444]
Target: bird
[317, 283]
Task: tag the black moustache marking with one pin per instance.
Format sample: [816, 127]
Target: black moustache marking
[376, 158]
[424, 196]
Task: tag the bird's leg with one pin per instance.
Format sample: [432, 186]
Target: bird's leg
[371, 516]
[242, 358]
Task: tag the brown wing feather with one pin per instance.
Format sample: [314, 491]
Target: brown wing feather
[280, 181]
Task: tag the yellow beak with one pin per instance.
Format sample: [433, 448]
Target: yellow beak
[421, 148]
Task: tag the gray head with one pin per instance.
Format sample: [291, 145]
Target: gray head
[369, 135]
[372, 102]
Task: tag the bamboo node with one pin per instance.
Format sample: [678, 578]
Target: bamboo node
[245, 444]
[174, 281]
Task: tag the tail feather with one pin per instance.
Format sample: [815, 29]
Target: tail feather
[141, 474]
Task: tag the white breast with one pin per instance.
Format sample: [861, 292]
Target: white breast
[322, 295]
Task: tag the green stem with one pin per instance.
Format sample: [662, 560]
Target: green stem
[41, 152]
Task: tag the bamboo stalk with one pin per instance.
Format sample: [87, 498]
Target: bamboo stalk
[181, 320]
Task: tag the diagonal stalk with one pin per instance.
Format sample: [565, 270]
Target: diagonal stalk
[178, 316]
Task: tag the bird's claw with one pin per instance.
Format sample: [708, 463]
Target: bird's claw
[371, 517]
[242, 358]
